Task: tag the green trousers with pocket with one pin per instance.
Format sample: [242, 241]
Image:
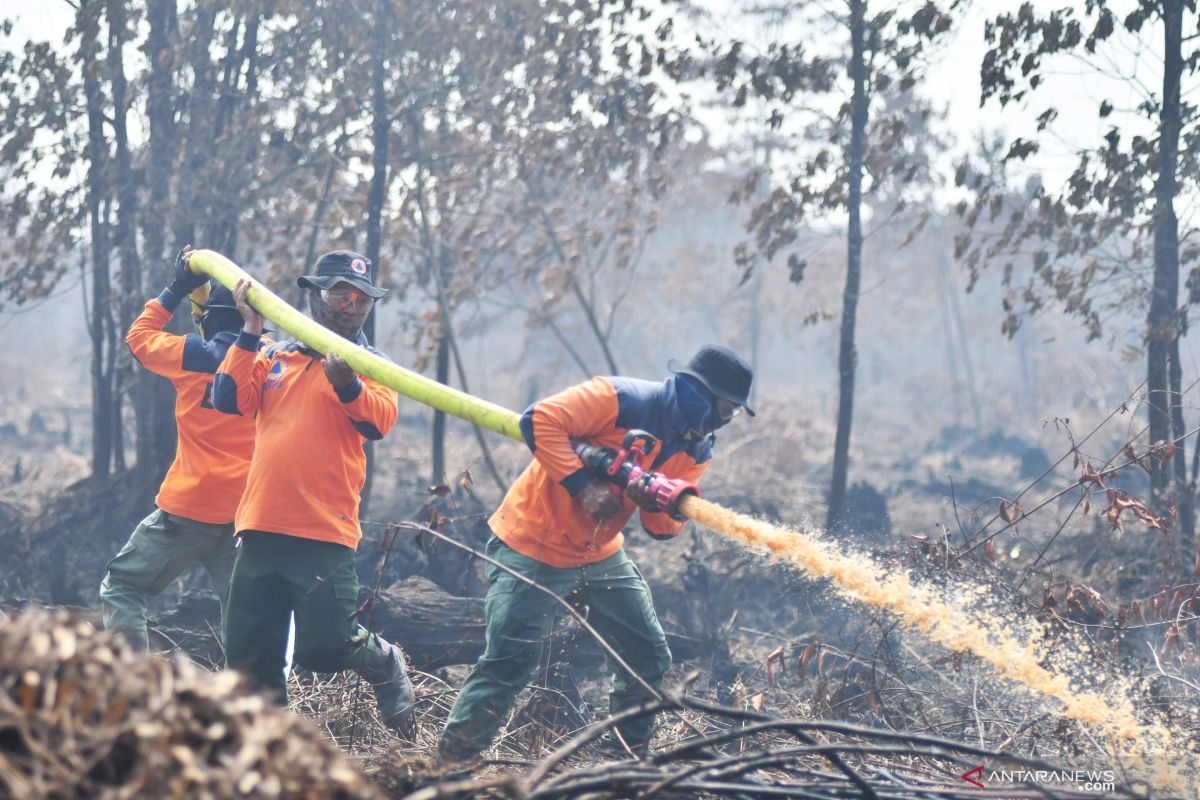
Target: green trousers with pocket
[613, 596]
[277, 576]
[160, 549]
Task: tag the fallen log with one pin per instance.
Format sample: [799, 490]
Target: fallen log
[438, 629]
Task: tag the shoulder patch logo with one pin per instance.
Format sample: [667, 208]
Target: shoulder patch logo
[359, 266]
[275, 374]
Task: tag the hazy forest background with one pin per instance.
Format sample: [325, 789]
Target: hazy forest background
[956, 241]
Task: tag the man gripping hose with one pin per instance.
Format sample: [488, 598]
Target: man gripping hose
[560, 526]
[193, 519]
[298, 519]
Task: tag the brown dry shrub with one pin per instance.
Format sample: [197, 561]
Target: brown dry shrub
[84, 716]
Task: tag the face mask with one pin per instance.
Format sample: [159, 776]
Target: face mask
[698, 405]
[216, 320]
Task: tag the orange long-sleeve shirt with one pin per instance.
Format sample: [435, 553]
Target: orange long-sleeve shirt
[309, 466]
[206, 479]
[540, 517]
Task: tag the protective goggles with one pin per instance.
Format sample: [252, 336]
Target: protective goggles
[345, 299]
[728, 409]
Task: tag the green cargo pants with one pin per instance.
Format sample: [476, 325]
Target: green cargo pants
[278, 576]
[616, 601]
[160, 549]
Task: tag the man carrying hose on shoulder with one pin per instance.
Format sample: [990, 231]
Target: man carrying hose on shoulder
[298, 520]
[560, 526]
[193, 521]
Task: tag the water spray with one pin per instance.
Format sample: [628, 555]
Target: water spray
[1148, 749]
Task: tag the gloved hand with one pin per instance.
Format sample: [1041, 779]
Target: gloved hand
[185, 280]
[639, 492]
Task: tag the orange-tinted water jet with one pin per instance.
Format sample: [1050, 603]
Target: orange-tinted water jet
[1148, 749]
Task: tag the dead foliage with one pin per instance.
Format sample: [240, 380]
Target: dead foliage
[83, 716]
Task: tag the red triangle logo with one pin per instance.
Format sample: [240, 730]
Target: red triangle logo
[978, 771]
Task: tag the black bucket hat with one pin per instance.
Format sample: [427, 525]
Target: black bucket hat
[722, 371]
[343, 265]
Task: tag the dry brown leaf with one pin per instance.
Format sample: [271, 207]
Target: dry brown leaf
[1009, 512]
[806, 656]
[1091, 476]
[1172, 641]
[775, 656]
[1118, 502]
[1163, 451]
[1089, 597]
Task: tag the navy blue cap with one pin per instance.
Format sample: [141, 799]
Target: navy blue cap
[343, 265]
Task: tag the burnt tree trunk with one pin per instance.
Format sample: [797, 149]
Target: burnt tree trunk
[100, 326]
[158, 394]
[433, 262]
[229, 150]
[847, 353]
[1186, 533]
[1163, 324]
[124, 241]
[439, 417]
[380, 124]
[198, 102]
[438, 629]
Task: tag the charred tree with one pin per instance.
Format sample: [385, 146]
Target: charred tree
[1086, 248]
[1163, 372]
[124, 241]
[438, 444]
[847, 353]
[881, 121]
[100, 326]
[159, 447]
[380, 128]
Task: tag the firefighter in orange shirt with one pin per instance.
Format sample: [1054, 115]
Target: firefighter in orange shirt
[560, 526]
[298, 519]
[193, 521]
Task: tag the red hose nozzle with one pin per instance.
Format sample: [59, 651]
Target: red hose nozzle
[658, 493]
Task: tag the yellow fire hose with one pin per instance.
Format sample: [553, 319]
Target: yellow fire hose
[411, 384]
[407, 382]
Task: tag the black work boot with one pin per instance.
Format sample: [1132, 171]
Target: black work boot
[387, 673]
[454, 761]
